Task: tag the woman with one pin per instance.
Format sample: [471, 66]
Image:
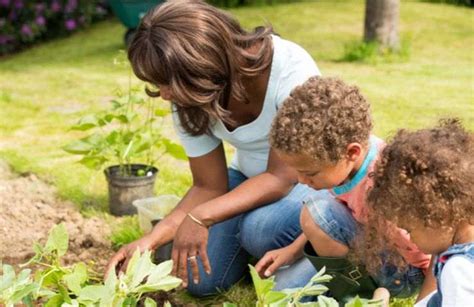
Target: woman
[225, 84]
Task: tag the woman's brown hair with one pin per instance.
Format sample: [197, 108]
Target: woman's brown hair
[201, 53]
[426, 176]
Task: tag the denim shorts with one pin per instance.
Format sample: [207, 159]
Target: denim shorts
[336, 220]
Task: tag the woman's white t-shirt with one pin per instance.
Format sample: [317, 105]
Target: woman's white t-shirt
[291, 66]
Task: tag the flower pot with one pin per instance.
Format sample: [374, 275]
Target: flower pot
[123, 190]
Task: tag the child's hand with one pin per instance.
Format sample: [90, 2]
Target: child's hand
[382, 294]
[275, 259]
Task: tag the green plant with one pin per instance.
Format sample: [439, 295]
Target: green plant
[266, 297]
[78, 285]
[371, 52]
[127, 132]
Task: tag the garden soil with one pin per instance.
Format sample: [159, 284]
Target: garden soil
[29, 208]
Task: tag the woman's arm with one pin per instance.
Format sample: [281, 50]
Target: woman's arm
[209, 181]
[191, 238]
[276, 182]
[209, 173]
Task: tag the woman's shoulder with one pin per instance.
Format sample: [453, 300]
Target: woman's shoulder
[289, 49]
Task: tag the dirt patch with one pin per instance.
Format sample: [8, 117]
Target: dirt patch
[29, 208]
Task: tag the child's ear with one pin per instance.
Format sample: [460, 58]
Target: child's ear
[354, 150]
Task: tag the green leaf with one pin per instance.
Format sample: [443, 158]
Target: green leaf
[76, 278]
[109, 291]
[58, 240]
[162, 112]
[149, 302]
[28, 301]
[55, 301]
[175, 150]
[93, 162]
[274, 297]
[78, 147]
[315, 290]
[160, 271]
[136, 99]
[52, 277]
[165, 284]
[132, 264]
[92, 293]
[262, 286]
[7, 278]
[227, 304]
[23, 292]
[355, 302]
[325, 301]
[130, 301]
[142, 269]
[86, 123]
[318, 274]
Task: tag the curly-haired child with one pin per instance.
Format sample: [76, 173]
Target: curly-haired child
[323, 131]
[424, 183]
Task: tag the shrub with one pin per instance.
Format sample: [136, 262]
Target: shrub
[455, 2]
[24, 22]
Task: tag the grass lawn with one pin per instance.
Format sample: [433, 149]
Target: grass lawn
[44, 90]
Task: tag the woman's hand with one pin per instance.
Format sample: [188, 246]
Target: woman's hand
[120, 260]
[275, 259]
[190, 242]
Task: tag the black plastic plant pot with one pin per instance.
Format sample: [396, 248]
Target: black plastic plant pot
[162, 253]
[136, 182]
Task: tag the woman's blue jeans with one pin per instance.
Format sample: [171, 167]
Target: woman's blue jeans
[232, 242]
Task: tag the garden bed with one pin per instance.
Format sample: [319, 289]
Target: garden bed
[29, 208]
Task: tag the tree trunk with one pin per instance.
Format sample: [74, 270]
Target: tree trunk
[381, 22]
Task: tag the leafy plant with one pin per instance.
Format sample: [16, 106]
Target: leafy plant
[15, 289]
[78, 285]
[128, 132]
[266, 297]
[373, 53]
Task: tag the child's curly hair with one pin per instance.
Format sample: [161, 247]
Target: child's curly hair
[320, 118]
[426, 176]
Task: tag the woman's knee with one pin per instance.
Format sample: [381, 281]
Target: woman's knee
[327, 238]
[269, 228]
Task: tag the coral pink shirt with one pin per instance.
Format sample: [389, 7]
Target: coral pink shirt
[353, 194]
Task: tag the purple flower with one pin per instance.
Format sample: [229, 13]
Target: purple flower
[4, 2]
[40, 7]
[70, 24]
[5, 39]
[70, 6]
[40, 21]
[18, 4]
[26, 30]
[55, 6]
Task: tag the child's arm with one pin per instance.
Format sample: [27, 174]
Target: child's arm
[429, 284]
[277, 258]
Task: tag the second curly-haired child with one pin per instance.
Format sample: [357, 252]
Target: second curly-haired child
[323, 131]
